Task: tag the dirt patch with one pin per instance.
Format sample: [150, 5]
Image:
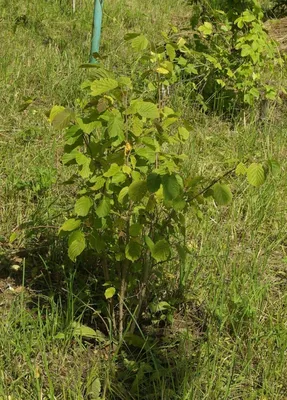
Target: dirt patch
[277, 29]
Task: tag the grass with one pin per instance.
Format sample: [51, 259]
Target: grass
[229, 341]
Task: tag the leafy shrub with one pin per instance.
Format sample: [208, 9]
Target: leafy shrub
[133, 198]
[229, 61]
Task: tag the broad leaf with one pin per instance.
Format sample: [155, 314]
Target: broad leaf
[147, 109]
[83, 205]
[183, 133]
[153, 182]
[115, 124]
[113, 170]
[77, 245]
[222, 194]
[240, 169]
[140, 43]
[133, 251]
[255, 175]
[103, 86]
[70, 225]
[104, 207]
[137, 190]
[171, 187]
[110, 292]
[135, 230]
[60, 117]
[161, 250]
[122, 195]
[83, 330]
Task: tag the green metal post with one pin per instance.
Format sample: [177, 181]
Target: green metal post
[97, 25]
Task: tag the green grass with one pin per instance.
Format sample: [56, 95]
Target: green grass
[229, 342]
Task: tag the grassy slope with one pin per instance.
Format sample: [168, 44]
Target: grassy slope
[238, 271]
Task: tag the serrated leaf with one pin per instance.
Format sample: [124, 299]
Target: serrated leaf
[77, 244]
[113, 170]
[170, 51]
[115, 124]
[137, 190]
[104, 85]
[70, 225]
[135, 229]
[87, 126]
[206, 28]
[110, 292]
[162, 71]
[183, 133]
[99, 182]
[171, 187]
[240, 169]
[139, 43]
[133, 251]
[147, 109]
[147, 153]
[149, 242]
[83, 205]
[255, 174]
[60, 117]
[104, 207]
[122, 195]
[120, 177]
[222, 194]
[94, 389]
[137, 126]
[153, 182]
[83, 330]
[161, 250]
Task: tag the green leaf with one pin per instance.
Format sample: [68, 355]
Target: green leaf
[104, 85]
[94, 388]
[135, 230]
[137, 190]
[183, 133]
[123, 193]
[77, 245]
[153, 182]
[104, 207]
[171, 187]
[161, 250]
[255, 175]
[149, 242]
[206, 28]
[99, 182]
[70, 225]
[83, 205]
[83, 330]
[110, 292]
[137, 126]
[147, 153]
[87, 126]
[222, 194]
[170, 51]
[120, 177]
[240, 169]
[162, 71]
[60, 117]
[115, 124]
[113, 170]
[139, 43]
[133, 251]
[147, 109]
[97, 242]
